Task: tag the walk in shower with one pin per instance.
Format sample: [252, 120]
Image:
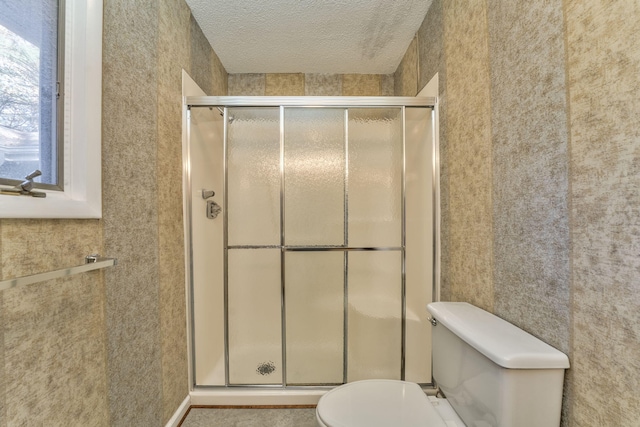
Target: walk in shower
[311, 225]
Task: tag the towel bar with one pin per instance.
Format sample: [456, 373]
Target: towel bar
[92, 262]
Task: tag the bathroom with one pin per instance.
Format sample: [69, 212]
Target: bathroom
[539, 178]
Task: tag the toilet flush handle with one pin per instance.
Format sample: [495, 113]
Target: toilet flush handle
[433, 320]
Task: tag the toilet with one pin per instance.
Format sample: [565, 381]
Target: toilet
[492, 374]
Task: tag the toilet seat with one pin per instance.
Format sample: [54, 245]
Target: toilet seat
[377, 403]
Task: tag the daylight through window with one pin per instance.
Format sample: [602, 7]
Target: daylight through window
[30, 92]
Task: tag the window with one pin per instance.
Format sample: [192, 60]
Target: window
[31, 93]
[50, 107]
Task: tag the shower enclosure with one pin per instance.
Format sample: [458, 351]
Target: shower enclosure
[311, 239]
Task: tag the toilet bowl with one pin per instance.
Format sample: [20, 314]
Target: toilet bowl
[384, 403]
[492, 373]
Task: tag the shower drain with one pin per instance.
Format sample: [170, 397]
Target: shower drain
[266, 368]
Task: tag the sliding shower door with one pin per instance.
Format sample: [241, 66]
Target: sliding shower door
[253, 276]
[313, 224]
[327, 246]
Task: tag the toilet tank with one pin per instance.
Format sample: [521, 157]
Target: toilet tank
[492, 372]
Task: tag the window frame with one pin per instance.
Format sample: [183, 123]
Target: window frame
[81, 195]
[55, 140]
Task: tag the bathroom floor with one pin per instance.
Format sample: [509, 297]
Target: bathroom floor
[254, 417]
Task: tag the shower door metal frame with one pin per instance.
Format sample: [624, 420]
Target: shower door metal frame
[224, 103]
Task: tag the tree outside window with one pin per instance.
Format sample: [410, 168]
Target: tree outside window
[29, 90]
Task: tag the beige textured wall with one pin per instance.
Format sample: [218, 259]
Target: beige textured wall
[130, 216]
[557, 84]
[530, 167]
[109, 348]
[284, 84]
[468, 116]
[603, 58]
[52, 334]
[323, 84]
[143, 224]
[530, 170]
[310, 84]
[179, 45]
[406, 76]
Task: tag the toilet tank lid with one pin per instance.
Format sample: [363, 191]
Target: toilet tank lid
[505, 344]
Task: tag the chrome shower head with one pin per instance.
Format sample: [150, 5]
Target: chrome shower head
[231, 118]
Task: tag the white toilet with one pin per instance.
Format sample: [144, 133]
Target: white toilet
[492, 373]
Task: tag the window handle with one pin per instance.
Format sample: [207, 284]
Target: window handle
[25, 187]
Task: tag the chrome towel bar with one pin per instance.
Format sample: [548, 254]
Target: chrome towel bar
[92, 262]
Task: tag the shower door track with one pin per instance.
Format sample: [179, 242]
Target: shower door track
[311, 102]
[318, 248]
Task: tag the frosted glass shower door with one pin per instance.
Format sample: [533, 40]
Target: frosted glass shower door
[255, 339]
[314, 211]
[314, 171]
[375, 218]
[343, 194]
[419, 244]
[253, 176]
[254, 330]
[375, 177]
[315, 317]
[375, 315]
[327, 244]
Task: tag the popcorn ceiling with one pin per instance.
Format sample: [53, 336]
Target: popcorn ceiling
[313, 36]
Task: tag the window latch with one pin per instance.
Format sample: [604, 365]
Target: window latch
[25, 188]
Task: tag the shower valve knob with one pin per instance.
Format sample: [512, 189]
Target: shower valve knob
[213, 209]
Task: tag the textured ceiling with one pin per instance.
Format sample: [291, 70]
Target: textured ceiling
[310, 36]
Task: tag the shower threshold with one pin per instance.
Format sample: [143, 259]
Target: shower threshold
[260, 396]
[238, 396]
